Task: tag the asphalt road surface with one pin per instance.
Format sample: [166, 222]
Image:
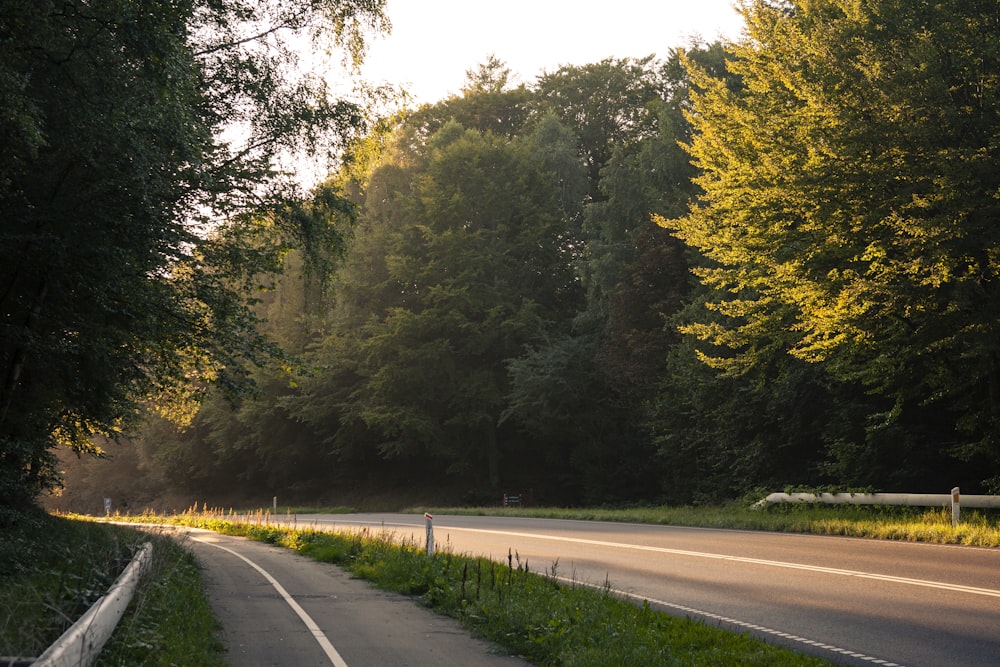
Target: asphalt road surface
[279, 608]
[851, 601]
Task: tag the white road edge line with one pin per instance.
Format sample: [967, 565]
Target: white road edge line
[732, 621]
[317, 633]
[725, 619]
[958, 588]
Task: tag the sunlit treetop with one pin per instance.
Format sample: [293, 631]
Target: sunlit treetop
[849, 190]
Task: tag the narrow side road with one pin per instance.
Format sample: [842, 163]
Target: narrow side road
[279, 608]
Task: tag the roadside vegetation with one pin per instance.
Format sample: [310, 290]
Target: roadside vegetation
[533, 613]
[52, 569]
[979, 528]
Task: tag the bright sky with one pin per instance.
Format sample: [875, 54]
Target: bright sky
[434, 42]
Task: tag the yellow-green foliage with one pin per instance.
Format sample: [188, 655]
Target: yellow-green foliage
[847, 173]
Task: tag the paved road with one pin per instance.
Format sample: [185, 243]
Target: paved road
[852, 601]
[280, 608]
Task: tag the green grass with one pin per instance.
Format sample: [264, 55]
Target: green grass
[170, 621]
[914, 524]
[52, 569]
[534, 615]
[338, 509]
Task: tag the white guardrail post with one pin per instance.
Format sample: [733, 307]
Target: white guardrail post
[955, 511]
[82, 643]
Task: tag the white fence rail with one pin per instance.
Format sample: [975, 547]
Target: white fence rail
[913, 499]
[81, 644]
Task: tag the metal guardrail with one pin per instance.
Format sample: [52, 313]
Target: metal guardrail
[80, 645]
[913, 499]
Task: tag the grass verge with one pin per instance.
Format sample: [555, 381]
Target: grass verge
[531, 614]
[979, 528]
[52, 569]
[169, 621]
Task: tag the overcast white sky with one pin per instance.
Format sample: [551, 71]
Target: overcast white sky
[434, 42]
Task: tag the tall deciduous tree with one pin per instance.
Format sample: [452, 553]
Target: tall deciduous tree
[850, 195]
[627, 115]
[605, 104]
[482, 263]
[113, 166]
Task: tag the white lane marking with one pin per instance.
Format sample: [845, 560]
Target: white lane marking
[317, 634]
[717, 617]
[738, 623]
[957, 588]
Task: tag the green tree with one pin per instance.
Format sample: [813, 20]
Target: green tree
[849, 188]
[459, 262]
[114, 167]
[635, 272]
[613, 352]
[605, 104]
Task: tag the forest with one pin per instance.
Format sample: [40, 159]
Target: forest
[740, 266]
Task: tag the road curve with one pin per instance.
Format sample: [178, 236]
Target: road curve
[851, 601]
[280, 608]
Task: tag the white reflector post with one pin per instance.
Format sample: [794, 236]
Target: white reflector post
[954, 506]
[430, 533]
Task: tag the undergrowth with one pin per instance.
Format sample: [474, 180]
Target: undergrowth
[52, 569]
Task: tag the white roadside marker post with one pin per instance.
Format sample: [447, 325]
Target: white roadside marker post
[954, 506]
[430, 533]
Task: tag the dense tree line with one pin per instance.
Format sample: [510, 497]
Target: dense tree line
[114, 168]
[752, 265]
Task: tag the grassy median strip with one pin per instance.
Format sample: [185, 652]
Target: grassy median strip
[532, 614]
